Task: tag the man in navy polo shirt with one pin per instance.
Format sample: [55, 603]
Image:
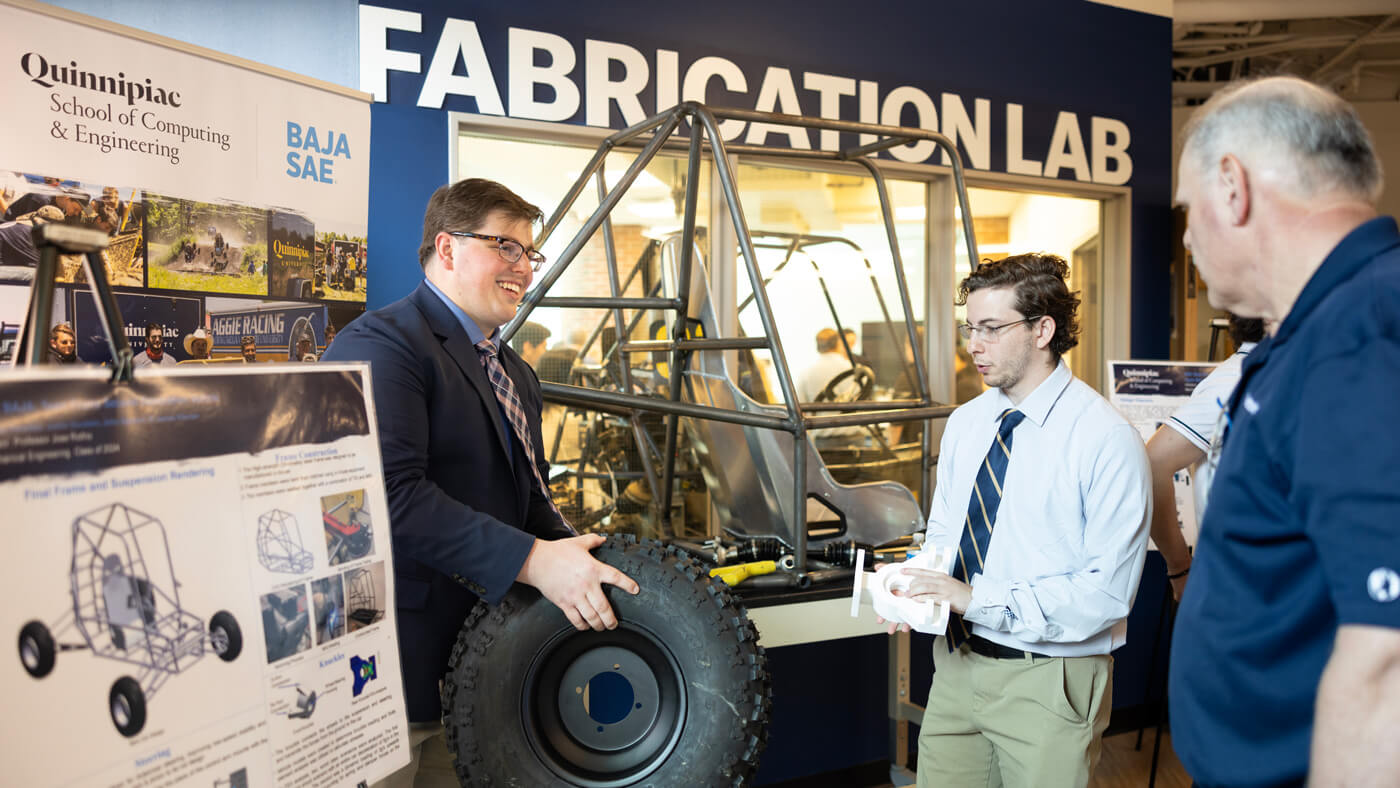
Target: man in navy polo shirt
[1286, 657]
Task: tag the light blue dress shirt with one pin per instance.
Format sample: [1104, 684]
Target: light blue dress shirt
[1070, 536]
[475, 335]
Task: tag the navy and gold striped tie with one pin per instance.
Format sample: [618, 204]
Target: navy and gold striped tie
[982, 515]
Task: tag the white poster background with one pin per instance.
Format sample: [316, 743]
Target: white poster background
[242, 104]
[206, 719]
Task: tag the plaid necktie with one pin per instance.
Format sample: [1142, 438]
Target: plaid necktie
[981, 515]
[515, 414]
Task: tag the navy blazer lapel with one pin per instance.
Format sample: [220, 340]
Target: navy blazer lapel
[460, 348]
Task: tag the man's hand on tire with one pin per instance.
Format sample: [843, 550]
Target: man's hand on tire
[567, 575]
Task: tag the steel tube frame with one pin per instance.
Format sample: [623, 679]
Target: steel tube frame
[680, 357]
[704, 122]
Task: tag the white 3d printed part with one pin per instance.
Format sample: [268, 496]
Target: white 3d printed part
[931, 618]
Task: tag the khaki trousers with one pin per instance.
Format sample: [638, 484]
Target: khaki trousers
[1013, 722]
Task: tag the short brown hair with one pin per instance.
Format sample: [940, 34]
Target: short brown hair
[827, 340]
[1040, 282]
[464, 206]
[61, 328]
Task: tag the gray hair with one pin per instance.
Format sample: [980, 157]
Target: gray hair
[1319, 132]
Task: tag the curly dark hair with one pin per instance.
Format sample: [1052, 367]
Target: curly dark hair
[1040, 282]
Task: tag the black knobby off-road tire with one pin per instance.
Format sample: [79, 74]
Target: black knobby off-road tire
[679, 691]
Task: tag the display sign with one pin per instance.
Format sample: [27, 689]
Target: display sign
[180, 156]
[177, 316]
[272, 328]
[1147, 393]
[199, 580]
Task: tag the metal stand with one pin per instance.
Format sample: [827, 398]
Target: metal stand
[52, 240]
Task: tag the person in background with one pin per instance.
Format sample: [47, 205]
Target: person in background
[1183, 441]
[248, 346]
[154, 354]
[831, 363]
[1285, 663]
[529, 341]
[853, 353]
[197, 345]
[63, 344]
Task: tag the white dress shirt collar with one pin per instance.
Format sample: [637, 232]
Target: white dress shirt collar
[1036, 407]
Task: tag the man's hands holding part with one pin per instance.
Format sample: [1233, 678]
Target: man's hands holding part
[931, 586]
[568, 576]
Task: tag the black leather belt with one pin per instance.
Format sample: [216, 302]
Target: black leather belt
[987, 648]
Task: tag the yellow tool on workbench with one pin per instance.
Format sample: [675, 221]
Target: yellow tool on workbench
[734, 575]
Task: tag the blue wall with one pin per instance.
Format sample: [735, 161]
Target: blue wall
[1074, 56]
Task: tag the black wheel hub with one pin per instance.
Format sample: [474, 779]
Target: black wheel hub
[603, 709]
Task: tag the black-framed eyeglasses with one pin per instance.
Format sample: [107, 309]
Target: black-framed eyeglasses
[508, 249]
[990, 334]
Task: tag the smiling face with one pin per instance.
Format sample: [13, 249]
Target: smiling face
[154, 340]
[472, 273]
[64, 343]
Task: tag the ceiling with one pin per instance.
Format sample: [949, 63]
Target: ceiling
[1355, 48]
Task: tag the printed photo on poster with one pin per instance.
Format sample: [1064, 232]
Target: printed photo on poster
[205, 247]
[286, 622]
[328, 604]
[291, 257]
[341, 273]
[27, 200]
[364, 595]
[156, 327]
[349, 533]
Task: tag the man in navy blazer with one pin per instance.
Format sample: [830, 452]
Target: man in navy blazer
[468, 517]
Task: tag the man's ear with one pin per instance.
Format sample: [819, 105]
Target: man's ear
[442, 244]
[1044, 332]
[1234, 184]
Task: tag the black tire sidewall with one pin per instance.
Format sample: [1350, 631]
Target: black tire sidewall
[224, 620]
[708, 638]
[36, 633]
[128, 688]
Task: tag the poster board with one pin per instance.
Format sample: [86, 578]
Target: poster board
[191, 160]
[199, 580]
[1147, 393]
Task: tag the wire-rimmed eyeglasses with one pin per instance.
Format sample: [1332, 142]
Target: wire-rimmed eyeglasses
[509, 250]
[989, 334]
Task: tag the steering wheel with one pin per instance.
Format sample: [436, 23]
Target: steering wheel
[838, 390]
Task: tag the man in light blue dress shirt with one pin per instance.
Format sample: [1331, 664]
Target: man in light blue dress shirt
[1025, 696]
